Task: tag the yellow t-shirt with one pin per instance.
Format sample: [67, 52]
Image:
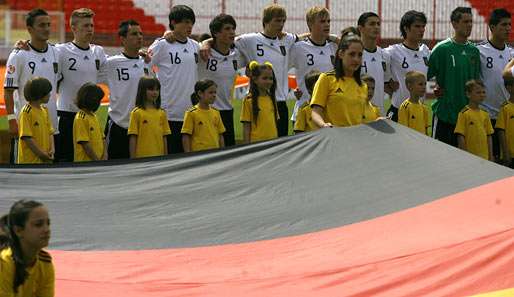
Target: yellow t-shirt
[150, 125]
[304, 122]
[34, 122]
[371, 113]
[40, 281]
[414, 116]
[266, 126]
[342, 99]
[475, 126]
[86, 128]
[204, 126]
[505, 122]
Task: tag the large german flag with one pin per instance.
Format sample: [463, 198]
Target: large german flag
[373, 210]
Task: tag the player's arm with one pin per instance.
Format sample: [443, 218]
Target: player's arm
[504, 146]
[89, 150]
[165, 143]
[132, 145]
[34, 147]
[507, 71]
[9, 107]
[51, 152]
[186, 142]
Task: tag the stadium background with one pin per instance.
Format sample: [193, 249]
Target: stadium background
[153, 17]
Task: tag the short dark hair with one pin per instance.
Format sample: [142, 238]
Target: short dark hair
[30, 19]
[409, 18]
[310, 80]
[363, 18]
[89, 97]
[124, 27]
[37, 88]
[470, 84]
[218, 21]
[179, 13]
[458, 12]
[497, 15]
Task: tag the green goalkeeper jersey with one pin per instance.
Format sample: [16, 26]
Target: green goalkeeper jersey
[453, 64]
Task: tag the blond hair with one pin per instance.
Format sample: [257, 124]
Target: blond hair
[80, 13]
[272, 11]
[413, 76]
[316, 12]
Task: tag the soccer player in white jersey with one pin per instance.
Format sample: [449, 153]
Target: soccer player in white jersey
[41, 59]
[375, 61]
[409, 55]
[313, 53]
[494, 56]
[122, 73]
[177, 71]
[221, 67]
[80, 63]
[271, 45]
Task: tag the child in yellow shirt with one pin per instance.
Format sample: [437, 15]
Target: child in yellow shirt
[203, 128]
[148, 124]
[35, 127]
[413, 113]
[505, 125]
[474, 127]
[304, 121]
[88, 138]
[371, 112]
[259, 111]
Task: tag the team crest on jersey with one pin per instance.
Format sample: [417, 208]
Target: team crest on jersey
[283, 50]
[97, 64]
[11, 69]
[384, 65]
[234, 63]
[56, 67]
[425, 59]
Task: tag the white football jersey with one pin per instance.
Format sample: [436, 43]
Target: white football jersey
[376, 64]
[222, 69]
[492, 62]
[177, 72]
[258, 47]
[78, 66]
[122, 73]
[23, 65]
[403, 60]
[307, 56]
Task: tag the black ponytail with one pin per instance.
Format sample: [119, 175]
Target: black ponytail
[201, 86]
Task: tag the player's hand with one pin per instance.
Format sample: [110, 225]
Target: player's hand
[298, 93]
[281, 35]
[205, 51]
[169, 36]
[22, 44]
[146, 54]
[13, 128]
[327, 125]
[438, 91]
[47, 156]
[51, 153]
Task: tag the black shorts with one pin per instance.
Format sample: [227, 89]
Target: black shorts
[393, 113]
[117, 141]
[64, 143]
[444, 131]
[496, 141]
[175, 138]
[227, 117]
[283, 121]
[13, 152]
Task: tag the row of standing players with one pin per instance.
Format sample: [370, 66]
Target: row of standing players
[453, 62]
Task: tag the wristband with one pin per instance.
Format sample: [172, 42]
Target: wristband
[11, 116]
